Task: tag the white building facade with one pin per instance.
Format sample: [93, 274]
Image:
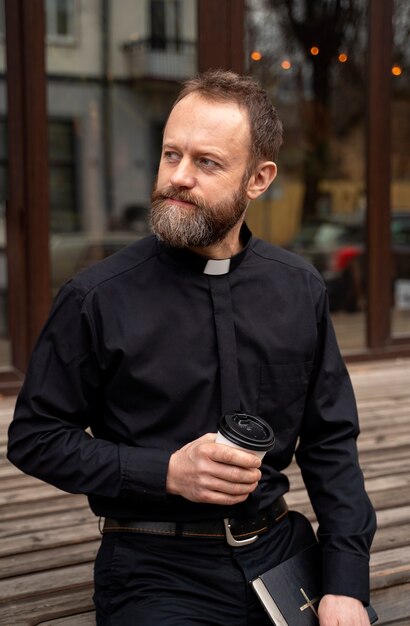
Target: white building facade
[113, 69]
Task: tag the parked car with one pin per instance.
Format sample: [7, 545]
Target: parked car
[336, 247]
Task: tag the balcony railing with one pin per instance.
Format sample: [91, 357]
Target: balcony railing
[170, 59]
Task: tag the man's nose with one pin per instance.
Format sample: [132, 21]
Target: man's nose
[183, 175]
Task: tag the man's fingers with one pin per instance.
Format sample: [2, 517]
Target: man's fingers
[204, 471]
[215, 483]
[213, 463]
[233, 474]
[231, 456]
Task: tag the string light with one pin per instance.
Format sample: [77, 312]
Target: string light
[343, 57]
[286, 64]
[256, 55]
[396, 70]
[314, 50]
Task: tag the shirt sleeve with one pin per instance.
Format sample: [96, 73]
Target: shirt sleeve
[59, 400]
[327, 456]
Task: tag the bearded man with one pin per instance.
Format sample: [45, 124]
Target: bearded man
[149, 347]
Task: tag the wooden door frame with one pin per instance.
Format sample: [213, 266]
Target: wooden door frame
[380, 343]
[221, 35]
[27, 212]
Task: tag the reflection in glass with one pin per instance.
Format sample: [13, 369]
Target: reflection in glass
[400, 189]
[310, 56]
[4, 343]
[113, 72]
[165, 23]
[5, 355]
[60, 19]
[63, 206]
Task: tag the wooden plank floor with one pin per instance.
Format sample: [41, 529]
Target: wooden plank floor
[49, 539]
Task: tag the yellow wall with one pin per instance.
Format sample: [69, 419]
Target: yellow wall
[278, 220]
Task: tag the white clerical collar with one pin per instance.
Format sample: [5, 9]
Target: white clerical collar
[217, 267]
[213, 267]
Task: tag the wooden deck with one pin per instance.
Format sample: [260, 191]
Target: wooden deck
[49, 539]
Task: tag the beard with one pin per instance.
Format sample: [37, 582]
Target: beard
[198, 226]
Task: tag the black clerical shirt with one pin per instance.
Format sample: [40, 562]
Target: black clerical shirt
[149, 346]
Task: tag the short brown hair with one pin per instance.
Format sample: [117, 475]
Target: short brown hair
[226, 86]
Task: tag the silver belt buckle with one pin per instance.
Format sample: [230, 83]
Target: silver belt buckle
[235, 543]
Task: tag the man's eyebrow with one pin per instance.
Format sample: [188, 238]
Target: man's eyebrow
[212, 153]
[201, 151]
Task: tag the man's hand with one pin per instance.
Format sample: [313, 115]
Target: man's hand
[342, 611]
[205, 471]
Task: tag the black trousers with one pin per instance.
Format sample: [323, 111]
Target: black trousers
[143, 580]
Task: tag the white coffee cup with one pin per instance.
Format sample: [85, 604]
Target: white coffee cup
[245, 432]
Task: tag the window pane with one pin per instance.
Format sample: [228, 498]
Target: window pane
[2, 19]
[311, 59]
[60, 18]
[400, 189]
[5, 344]
[173, 21]
[51, 8]
[61, 140]
[105, 125]
[63, 207]
[158, 33]
[63, 22]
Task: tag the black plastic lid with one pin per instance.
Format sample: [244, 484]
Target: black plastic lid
[247, 431]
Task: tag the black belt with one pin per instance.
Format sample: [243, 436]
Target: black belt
[237, 532]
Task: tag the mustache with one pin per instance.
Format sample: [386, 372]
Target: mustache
[172, 194]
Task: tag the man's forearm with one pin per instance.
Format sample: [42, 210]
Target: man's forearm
[69, 458]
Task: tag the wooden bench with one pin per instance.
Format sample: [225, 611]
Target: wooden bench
[49, 539]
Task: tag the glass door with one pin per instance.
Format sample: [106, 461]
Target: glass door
[400, 185]
[5, 354]
[310, 58]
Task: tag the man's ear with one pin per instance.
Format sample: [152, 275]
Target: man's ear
[260, 180]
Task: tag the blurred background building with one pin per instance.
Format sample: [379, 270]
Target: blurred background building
[85, 88]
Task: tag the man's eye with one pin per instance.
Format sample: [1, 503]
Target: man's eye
[170, 155]
[208, 162]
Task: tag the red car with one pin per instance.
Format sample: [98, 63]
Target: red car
[336, 247]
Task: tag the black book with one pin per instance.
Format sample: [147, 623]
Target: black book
[291, 591]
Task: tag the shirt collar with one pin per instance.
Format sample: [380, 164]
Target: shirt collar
[201, 264]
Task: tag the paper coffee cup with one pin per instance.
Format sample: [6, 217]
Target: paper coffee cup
[245, 432]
